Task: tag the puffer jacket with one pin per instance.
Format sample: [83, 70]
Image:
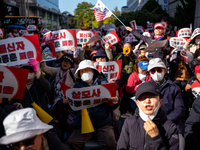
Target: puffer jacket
[134, 136]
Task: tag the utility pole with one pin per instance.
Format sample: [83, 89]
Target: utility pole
[28, 12]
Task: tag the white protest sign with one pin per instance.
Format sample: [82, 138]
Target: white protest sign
[87, 97]
[196, 89]
[1, 32]
[195, 33]
[16, 51]
[111, 69]
[184, 32]
[31, 27]
[84, 36]
[23, 32]
[64, 39]
[111, 38]
[176, 42]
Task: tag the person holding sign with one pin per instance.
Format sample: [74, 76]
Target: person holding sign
[64, 74]
[158, 52]
[36, 87]
[84, 51]
[101, 115]
[149, 127]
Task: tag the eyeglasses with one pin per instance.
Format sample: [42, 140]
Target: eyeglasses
[155, 70]
[27, 143]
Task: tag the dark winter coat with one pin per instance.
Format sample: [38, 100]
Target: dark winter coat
[37, 92]
[134, 136]
[100, 115]
[172, 104]
[192, 127]
[158, 52]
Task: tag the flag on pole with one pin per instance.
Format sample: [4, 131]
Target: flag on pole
[101, 12]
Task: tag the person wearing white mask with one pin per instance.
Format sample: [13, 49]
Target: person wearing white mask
[101, 115]
[173, 104]
[36, 87]
[149, 127]
[139, 74]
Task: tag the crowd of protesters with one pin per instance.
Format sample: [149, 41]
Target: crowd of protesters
[157, 92]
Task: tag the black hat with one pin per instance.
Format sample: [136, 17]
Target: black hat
[69, 57]
[100, 53]
[147, 87]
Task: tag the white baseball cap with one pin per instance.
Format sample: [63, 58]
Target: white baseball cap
[156, 62]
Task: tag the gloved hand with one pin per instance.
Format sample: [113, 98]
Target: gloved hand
[34, 63]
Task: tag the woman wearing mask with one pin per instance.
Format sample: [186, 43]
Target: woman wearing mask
[139, 75]
[193, 46]
[36, 87]
[149, 127]
[101, 115]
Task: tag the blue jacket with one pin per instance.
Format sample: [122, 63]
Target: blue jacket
[101, 115]
[172, 104]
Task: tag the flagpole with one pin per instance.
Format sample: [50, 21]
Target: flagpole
[118, 19]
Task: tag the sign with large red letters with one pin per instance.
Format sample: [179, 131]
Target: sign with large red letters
[87, 97]
[112, 38]
[12, 82]
[176, 42]
[84, 36]
[64, 39]
[184, 32]
[111, 69]
[16, 51]
[23, 32]
[31, 27]
[195, 33]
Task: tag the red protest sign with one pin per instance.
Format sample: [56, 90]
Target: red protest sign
[16, 51]
[196, 89]
[133, 25]
[2, 32]
[23, 32]
[112, 38]
[12, 82]
[87, 97]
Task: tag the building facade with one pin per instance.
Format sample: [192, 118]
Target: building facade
[134, 5]
[47, 9]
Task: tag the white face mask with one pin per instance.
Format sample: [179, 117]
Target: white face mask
[87, 77]
[157, 76]
[146, 117]
[31, 75]
[142, 76]
[197, 41]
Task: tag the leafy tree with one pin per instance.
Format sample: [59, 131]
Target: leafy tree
[4, 10]
[151, 5]
[184, 14]
[84, 14]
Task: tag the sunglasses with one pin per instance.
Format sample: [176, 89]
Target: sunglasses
[27, 143]
[155, 70]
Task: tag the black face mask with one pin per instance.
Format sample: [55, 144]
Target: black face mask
[30, 68]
